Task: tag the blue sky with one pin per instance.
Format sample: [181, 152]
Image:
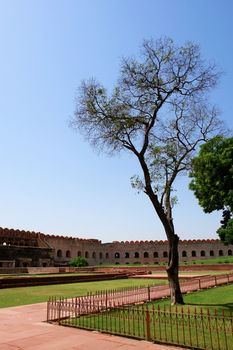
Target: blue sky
[50, 179]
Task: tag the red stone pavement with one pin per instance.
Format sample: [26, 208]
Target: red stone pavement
[23, 328]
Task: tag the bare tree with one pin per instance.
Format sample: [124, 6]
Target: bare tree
[159, 112]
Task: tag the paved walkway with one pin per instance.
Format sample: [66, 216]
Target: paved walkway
[23, 328]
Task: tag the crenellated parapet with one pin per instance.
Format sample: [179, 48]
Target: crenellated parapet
[21, 234]
[19, 248]
[63, 248]
[14, 235]
[76, 239]
[156, 242]
[11, 237]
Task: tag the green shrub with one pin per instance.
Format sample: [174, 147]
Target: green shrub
[79, 261]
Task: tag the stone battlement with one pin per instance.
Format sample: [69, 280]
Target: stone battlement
[12, 233]
[188, 241]
[6, 232]
[47, 250]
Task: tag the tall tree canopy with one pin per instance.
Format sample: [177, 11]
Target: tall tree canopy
[212, 181]
[158, 111]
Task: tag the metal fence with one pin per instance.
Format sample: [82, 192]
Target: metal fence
[194, 329]
[110, 311]
[104, 300]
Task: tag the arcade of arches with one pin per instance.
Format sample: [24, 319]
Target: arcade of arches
[25, 248]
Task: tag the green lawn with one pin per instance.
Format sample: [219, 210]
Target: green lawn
[30, 295]
[211, 261]
[204, 261]
[42, 275]
[184, 326]
[192, 273]
[219, 298]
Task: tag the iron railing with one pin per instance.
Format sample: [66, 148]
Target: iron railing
[104, 300]
[195, 329]
[110, 311]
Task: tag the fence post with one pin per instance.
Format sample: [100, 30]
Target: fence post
[224, 328]
[48, 310]
[148, 289]
[217, 326]
[210, 328]
[106, 300]
[203, 328]
[59, 311]
[199, 283]
[148, 337]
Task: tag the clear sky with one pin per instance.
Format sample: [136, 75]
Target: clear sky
[50, 179]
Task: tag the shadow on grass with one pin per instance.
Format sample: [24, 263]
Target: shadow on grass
[227, 306]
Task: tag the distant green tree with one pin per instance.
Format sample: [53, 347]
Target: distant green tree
[212, 181]
[79, 261]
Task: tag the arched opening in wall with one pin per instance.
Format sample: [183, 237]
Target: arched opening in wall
[4, 243]
[117, 255]
[194, 253]
[211, 253]
[136, 255]
[202, 253]
[220, 252]
[165, 254]
[68, 255]
[156, 254]
[59, 253]
[86, 255]
[101, 255]
[229, 252]
[184, 254]
[107, 255]
[79, 253]
[44, 264]
[93, 255]
[25, 264]
[146, 255]
[126, 255]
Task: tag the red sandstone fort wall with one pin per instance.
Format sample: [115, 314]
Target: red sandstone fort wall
[128, 252]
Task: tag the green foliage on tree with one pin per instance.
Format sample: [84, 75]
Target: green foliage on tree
[225, 232]
[79, 261]
[212, 181]
[158, 112]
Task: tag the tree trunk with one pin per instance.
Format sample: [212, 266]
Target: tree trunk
[173, 271]
[173, 239]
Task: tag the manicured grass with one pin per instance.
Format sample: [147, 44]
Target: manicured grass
[25, 275]
[175, 325]
[30, 295]
[192, 273]
[212, 261]
[203, 261]
[219, 298]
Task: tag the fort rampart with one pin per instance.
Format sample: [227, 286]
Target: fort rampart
[25, 248]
